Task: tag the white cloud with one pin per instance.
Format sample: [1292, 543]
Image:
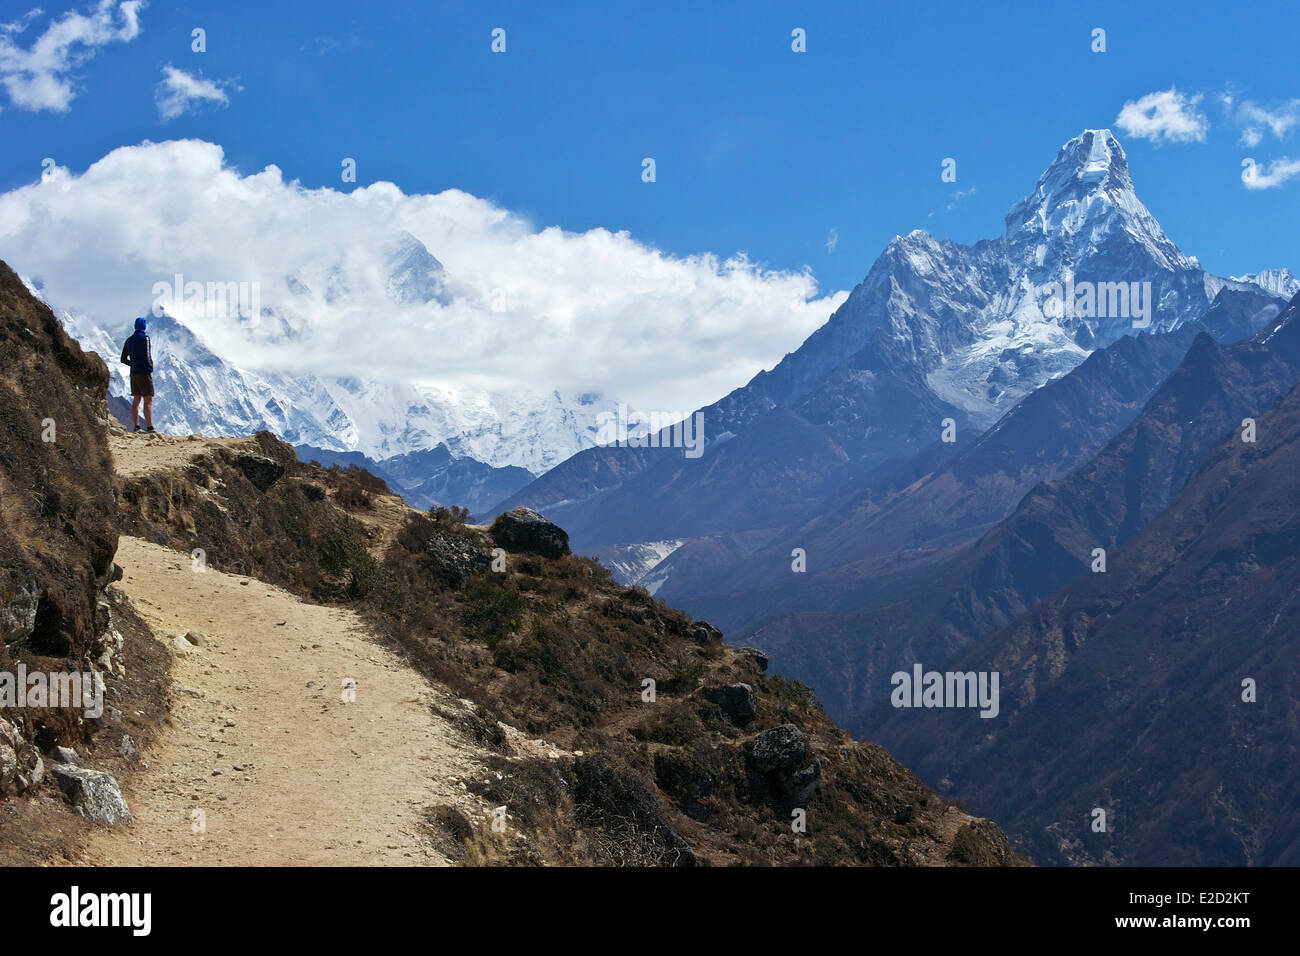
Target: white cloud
[179, 92]
[40, 77]
[957, 198]
[529, 308]
[1166, 116]
[1278, 120]
[1261, 176]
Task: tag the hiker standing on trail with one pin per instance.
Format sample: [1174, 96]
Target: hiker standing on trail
[138, 354]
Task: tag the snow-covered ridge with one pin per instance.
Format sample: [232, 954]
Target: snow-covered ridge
[641, 563]
[1277, 281]
[969, 319]
[1084, 196]
[198, 391]
[985, 323]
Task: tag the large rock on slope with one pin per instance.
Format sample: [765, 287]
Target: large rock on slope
[775, 758]
[93, 794]
[527, 531]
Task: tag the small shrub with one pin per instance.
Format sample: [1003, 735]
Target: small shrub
[685, 673]
[342, 552]
[352, 495]
[367, 482]
[492, 612]
[456, 516]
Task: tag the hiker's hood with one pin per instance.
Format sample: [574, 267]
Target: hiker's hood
[141, 324]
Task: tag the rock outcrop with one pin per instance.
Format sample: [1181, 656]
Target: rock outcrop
[524, 530]
[93, 794]
[58, 529]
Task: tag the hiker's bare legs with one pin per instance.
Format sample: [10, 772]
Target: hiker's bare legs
[135, 411]
[148, 412]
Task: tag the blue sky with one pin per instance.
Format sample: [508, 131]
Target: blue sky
[780, 176]
[757, 148]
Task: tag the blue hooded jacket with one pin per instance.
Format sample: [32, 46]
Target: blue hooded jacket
[137, 351]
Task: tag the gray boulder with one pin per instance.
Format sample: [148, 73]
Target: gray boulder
[455, 557]
[776, 756]
[706, 633]
[19, 601]
[8, 765]
[736, 701]
[93, 794]
[754, 654]
[779, 750]
[21, 767]
[525, 531]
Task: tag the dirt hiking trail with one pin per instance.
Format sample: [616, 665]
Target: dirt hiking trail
[261, 742]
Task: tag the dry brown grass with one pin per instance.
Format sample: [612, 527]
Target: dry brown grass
[558, 649]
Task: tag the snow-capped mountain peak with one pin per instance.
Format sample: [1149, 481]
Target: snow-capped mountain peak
[414, 275]
[1085, 197]
[401, 266]
[1082, 263]
[201, 391]
[1278, 281]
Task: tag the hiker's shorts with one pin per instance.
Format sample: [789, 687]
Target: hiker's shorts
[141, 385]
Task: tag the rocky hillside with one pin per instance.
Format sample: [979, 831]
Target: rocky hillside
[670, 747]
[857, 623]
[58, 527]
[712, 767]
[58, 614]
[1167, 686]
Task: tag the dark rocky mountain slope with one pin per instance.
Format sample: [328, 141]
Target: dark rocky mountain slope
[1126, 691]
[930, 610]
[58, 529]
[58, 615]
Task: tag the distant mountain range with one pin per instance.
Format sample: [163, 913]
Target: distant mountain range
[1279, 282]
[937, 333]
[862, 620]
[1164, 690]
[931, 480]
[203, 391]
[833, 523]
[427, 479]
